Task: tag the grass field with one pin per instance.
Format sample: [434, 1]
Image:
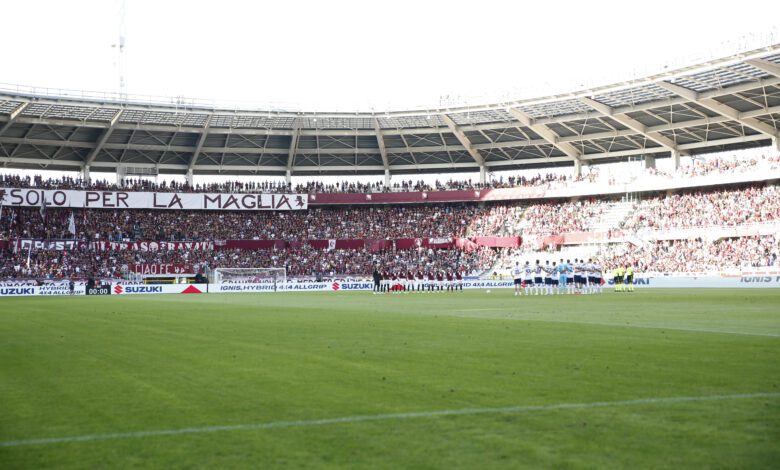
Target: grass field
[654, 379]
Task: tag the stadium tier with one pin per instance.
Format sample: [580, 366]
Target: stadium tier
[692, 230]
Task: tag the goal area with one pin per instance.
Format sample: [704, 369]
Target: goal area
[273, 276]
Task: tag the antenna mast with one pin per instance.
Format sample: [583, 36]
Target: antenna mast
[122, 59]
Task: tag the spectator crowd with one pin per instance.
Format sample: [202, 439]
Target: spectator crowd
[373, 222]
[729, 207]
[695, 255]
[304, 261]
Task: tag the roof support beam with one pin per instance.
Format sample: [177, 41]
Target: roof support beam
[199, 146]
[292, 150]
[714, 105]
[768, 67]
[102, 140]
[380, 140]
[546, 133]
[464, 141]
[632, 124]
[14, 114]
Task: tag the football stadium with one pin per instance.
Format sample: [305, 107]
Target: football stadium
[585, 278]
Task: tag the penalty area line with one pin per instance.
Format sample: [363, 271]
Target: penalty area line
[380, 417]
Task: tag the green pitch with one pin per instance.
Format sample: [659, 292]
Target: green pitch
[654, 379]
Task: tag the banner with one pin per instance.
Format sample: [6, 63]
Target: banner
[46, 289]
[497, 242]
[131, 289]
[162, 269]
[51, 245]
[151, 246]
[53, 198]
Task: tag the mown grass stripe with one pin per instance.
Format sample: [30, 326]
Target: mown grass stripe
[379, 417]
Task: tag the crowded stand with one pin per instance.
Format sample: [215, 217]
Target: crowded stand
[140, 184]
[695, 255]
[728, 207]
[379, 222]
[720, 165]
[561, 217]
[531, 220]
[302, 261]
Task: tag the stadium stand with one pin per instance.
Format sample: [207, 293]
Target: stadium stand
[654, 218]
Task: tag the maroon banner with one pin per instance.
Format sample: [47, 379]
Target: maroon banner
[444, 243]
[252, 244]
[161, 269]
[152, 246]
[4, 245]
[501, 194]
[465, 244]
[497, 242]
[378, 245]
[333, 244]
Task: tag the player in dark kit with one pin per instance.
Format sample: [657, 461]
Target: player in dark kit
[430, 281]
[420, 283]
[459, 279]
[450, 279]
[377, 280]
[439, 280]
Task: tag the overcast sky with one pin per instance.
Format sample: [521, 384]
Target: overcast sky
[341, 55]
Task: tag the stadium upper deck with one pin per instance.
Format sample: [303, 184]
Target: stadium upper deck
[729, 103]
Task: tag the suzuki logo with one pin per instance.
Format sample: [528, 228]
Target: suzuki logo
[118, 290]
[336, 286]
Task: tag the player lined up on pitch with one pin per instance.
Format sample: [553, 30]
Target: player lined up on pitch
[564, 277]
[422, 280]
[623, 278]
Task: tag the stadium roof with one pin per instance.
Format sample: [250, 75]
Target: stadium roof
[732, 102]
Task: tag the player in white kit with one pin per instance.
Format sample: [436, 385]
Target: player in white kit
[528, 278]
[517, 275]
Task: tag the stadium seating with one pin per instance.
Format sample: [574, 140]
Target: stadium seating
[633, 241]
[697, 255]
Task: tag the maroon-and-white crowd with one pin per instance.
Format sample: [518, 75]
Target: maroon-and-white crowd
[700, 209]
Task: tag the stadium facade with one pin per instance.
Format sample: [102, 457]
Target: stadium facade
[724, 104]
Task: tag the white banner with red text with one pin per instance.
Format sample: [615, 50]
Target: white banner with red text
[19, 197]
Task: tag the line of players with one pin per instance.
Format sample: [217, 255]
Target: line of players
[418, 281]
[566, 277]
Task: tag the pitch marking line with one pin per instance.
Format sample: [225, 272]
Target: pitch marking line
[622, 325]
[381, 417]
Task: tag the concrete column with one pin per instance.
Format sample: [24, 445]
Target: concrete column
[676, 159]
[577, 168]
[85, 174]
[120, 176]
[188, 177]
[649, 162]
[482, 174]
[387, 177]
[288, 176]
[776, 143]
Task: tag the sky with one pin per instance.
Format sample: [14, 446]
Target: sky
[361, 55]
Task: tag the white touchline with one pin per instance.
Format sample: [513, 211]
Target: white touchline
[380, 417]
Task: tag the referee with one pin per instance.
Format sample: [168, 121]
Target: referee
[377, 280]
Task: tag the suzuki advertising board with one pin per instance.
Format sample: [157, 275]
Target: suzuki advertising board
[133, 289]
